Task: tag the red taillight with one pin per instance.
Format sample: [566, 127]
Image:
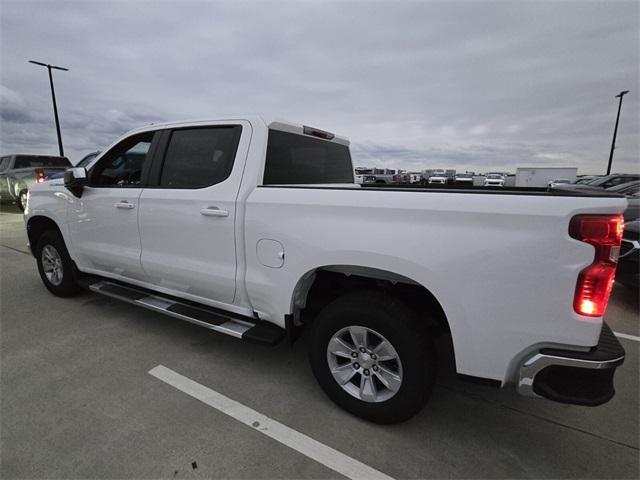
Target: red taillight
[40, 175]
[596, 281]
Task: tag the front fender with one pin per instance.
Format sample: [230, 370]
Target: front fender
[50, 202]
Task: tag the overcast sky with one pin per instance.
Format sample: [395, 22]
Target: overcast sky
[468, 85]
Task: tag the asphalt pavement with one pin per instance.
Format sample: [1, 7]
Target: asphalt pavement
[77, 401]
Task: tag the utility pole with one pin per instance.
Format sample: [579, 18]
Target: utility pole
[53, 96]
[615, 130]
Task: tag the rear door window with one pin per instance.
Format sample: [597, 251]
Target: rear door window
[301, 159]
[200, 157]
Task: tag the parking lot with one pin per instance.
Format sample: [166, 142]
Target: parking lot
[78, 401]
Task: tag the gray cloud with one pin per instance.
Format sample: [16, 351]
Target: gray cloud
[472, 85]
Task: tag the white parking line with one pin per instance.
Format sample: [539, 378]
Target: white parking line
[627, 336]
[327, 456]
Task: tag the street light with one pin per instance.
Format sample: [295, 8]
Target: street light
[53, 95]
[615, 130]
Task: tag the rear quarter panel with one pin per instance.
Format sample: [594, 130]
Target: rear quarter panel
[503, 267]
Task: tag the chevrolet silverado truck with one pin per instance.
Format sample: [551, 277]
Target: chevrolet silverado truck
[255, 228]
[19, 172]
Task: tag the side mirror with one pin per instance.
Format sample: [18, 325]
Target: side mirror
[75, 179]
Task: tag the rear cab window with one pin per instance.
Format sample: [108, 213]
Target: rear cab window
[295, 159]
[26, 161]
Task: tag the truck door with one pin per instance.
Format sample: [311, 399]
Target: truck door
[188, 213]
[103, 223]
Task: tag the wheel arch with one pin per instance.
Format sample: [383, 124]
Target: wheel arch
[36, 226]
[321, 285]
[18, 187]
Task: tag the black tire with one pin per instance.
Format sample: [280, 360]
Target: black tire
[399, 325]
[68, 286]
[22, 200]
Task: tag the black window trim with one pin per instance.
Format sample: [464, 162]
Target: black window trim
[155, 175]
[144, 176]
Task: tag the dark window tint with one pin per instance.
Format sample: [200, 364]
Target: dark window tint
[299, 159]
[199, 157]
[25, 161]
[618, 181]
[122, 166]
[4, 163]
[606, 182]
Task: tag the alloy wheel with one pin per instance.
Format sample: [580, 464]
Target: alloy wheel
[365, 364]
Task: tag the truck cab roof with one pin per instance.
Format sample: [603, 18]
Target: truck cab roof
[255, 119]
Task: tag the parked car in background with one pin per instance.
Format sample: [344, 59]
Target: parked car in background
[86, 160]
[559, 181]
[437, 179]
[367, 180]
[494, 180]
[628, 272]
[464, 179]
[631, 190]
[585, 179]
[360, 174]
[381, 176]
[415, 177]
[19, 172]
[402, 178]
[609, 181]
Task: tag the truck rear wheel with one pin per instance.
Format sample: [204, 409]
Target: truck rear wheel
[55, 266]
[373, 357]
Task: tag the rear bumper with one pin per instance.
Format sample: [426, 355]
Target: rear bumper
[581, 378]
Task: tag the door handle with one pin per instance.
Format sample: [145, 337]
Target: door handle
[124, 204]
[214, 212]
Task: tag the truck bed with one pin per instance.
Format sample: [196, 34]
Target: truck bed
[551, 192]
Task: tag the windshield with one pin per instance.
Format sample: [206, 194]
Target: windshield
[597, 181]
[86, 160]
[612, 181]
[494, 177]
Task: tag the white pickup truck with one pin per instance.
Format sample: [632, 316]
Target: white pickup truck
[255, 228]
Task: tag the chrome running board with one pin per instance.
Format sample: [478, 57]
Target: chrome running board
[213, 319]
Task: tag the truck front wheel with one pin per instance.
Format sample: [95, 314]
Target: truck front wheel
[55, 266]
[373, 356]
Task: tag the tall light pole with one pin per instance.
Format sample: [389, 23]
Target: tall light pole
[53, 96]
[615, 130]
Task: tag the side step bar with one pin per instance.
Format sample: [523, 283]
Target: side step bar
[224, 322]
